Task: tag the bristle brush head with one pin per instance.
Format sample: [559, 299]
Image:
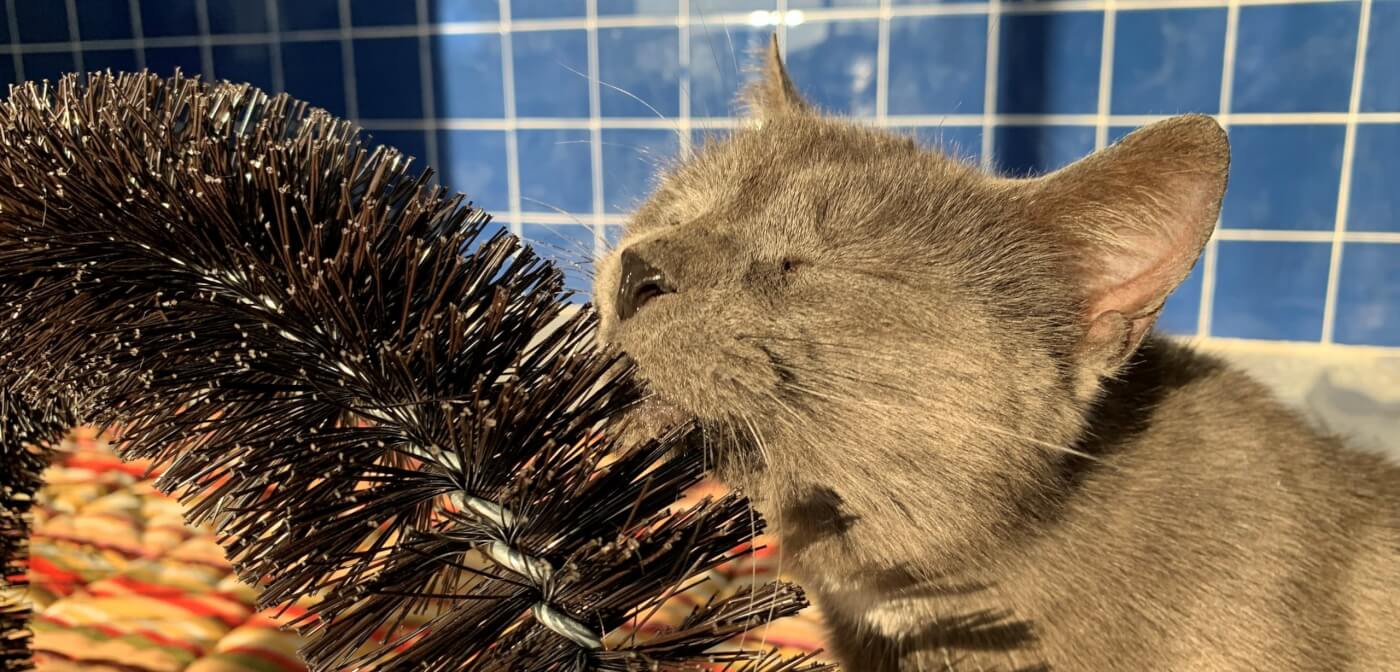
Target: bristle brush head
[375, 402]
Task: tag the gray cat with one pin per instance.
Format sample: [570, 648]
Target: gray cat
[943, 389]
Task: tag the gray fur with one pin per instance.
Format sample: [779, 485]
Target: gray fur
[948, 403]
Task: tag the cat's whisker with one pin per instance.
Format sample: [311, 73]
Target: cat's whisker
[913, 396]
[675, 126]
[871, 403]
[555, 208]
[850, 348]
[753, 569]
[580, 257]
[782, 404]
[778, 574]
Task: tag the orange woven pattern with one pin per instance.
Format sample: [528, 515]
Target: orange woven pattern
[119, 582]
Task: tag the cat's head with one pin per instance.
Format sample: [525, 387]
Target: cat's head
[814, 280]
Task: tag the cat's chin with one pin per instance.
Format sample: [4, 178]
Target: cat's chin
[649, 419]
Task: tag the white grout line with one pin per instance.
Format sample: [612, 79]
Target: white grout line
[783, 29]
[138, 34]
[595, 127]
[1280, 119]
[347, 62]
[75, 35]
[15, 53]
[882, 65]
[1272, 347]
[427, 84]
[206, 45]
[990, 79]
[1334, 268]
[564, 218]
[1227, 83]
[279, 71]
[652, 21]
[684, 149]
[1371, 237]
[1110, 23]
[1326, 236]
[512, 141]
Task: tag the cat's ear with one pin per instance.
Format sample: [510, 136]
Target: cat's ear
[1136, 217]
[771, 94]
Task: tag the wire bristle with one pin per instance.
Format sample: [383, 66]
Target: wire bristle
[376, 404]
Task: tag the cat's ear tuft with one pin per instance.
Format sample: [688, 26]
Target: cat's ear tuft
[1136, 217]
[772, 94]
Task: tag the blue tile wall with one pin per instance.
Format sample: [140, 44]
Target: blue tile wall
[852, 48]
[308, 15]
[718, 56]
[250, 63]
[1295, 58]
[48, 65]
[642, 69]
[171, 18]
[104, 19]
[963, 142]
[1270, 290]
[451, 11]
[938, 64]
[314, 71]
[556, 170]
[1168, 60]
[232, 17]
[473, 58]
[516, 118]
[1284, 177]
[551, 73]
[386, 80]
[631, 158]
[1049, 63]
[166, 60]
[1027, 150]
[116, 60]
[475, 162]
[38, 22]
[1375, 200]
[1368, 305]
[381, 13]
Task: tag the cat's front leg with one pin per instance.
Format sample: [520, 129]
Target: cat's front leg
[858, 647]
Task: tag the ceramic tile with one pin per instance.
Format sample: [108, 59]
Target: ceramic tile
[1255, 298]
[1283, 177]
[1033, 150]
[1375, 202]
[848, 88]
[937, 64]
[640, 72]
[1168, 61]
[104, 19]
[1368, 295]
[1049, 63]
[474, 163]
[631, 160]
[556, 170]
[1295, 58]
[551, 73]
[467, 74]
[314, 72]
[387, 78]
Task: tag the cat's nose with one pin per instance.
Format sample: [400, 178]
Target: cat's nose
[641, 282]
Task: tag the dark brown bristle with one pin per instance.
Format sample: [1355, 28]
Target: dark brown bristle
[332, 358]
